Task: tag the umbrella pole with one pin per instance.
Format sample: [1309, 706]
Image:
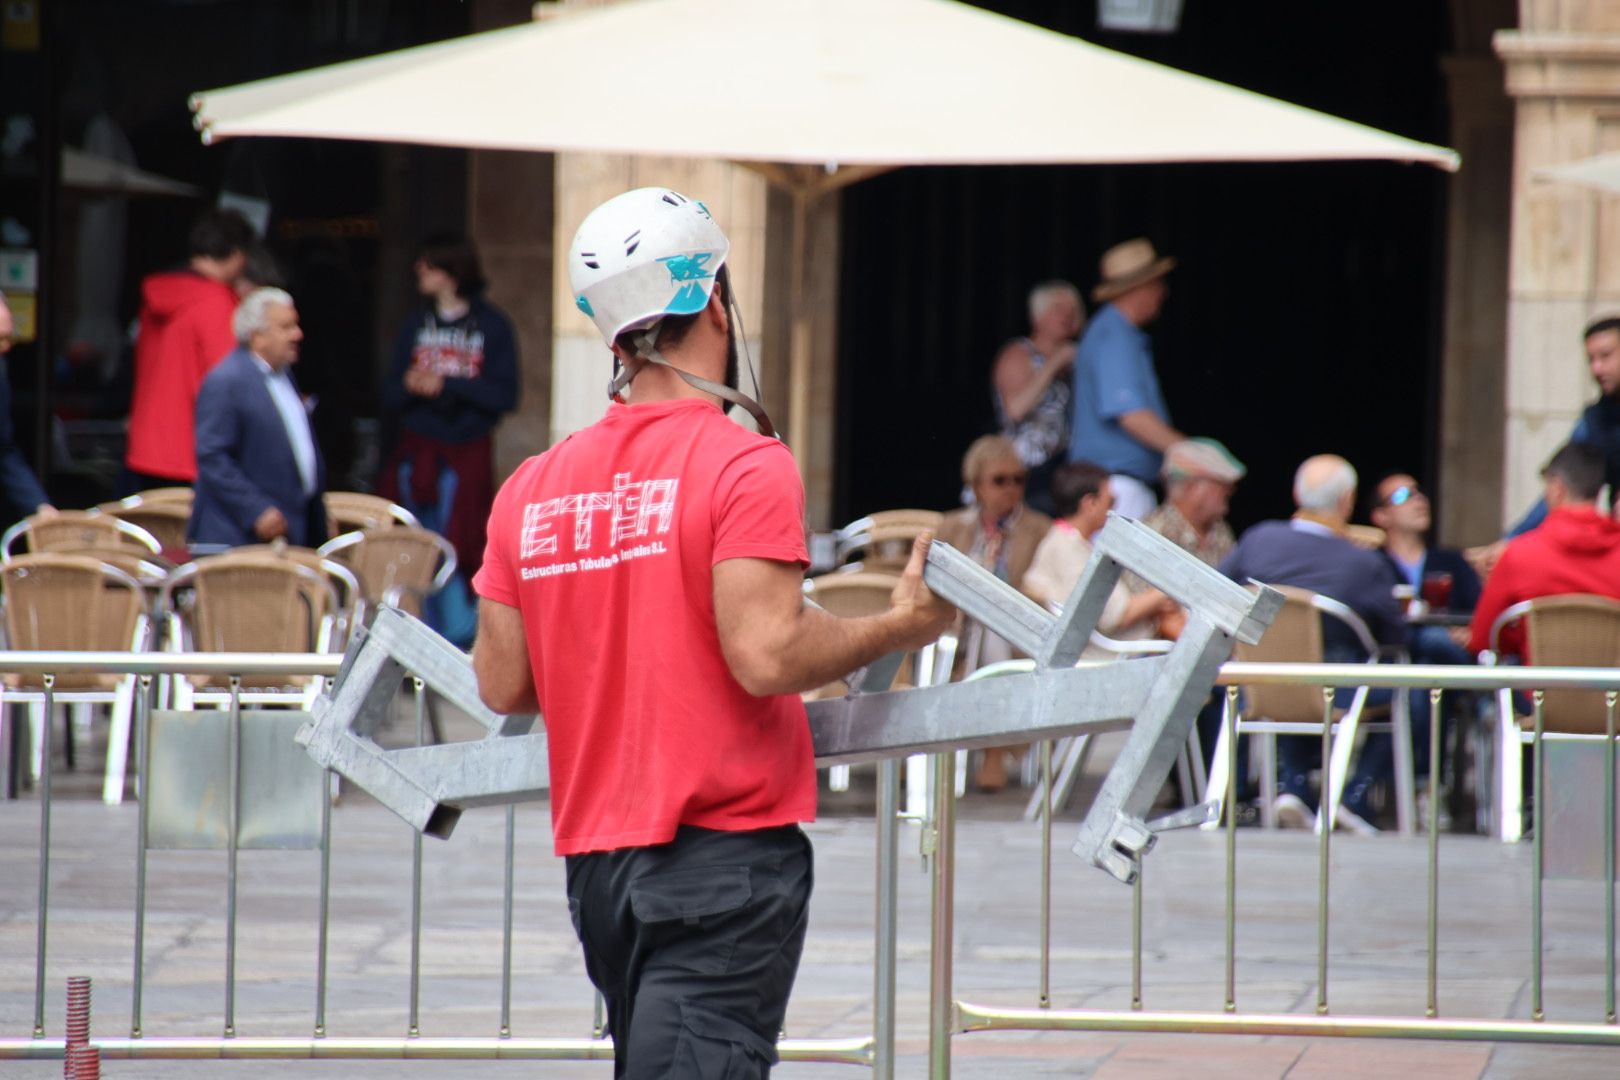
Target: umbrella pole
[799, 330]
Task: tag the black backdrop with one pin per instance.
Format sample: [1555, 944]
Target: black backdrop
[1304, 316]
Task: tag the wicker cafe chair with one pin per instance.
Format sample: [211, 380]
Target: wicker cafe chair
[399, 565]
[883, 540]
[249, 602]
[355, 510]
[849, 596]
[1295, 637]
[165, 517]
[350, 610]
[56, 602]
[1577, 630]
[75, 530]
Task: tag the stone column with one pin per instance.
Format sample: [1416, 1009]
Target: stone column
[1474, 354]
[509, 217]
[1563, 73]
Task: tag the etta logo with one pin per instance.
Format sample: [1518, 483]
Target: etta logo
[572, 525]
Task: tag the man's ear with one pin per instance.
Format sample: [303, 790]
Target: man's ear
[1557, 492]
[716, 309]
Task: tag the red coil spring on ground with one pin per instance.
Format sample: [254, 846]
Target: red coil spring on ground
[81, 1061]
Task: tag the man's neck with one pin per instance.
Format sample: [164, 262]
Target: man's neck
[654, 382]
[1408, 547]
[1325, 518]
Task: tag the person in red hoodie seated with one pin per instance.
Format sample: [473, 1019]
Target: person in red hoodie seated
[1575, 550]
[185, 329]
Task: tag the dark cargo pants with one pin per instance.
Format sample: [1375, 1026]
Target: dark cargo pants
[694, 944]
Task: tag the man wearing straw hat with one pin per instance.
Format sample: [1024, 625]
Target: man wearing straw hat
[1120, 419]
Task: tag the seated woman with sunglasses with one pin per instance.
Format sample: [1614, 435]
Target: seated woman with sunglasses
[999, 532]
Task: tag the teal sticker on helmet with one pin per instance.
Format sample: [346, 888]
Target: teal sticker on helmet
[585, 306]
[687, 267]
[688, 301]
[704, 210]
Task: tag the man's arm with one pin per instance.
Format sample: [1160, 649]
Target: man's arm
[774, 643]
[1145, 427]
[218, 449]
[501, 659]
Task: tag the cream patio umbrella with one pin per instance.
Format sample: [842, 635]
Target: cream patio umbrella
[816, 94]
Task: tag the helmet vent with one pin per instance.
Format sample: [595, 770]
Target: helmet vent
[589, 258]
[632, 242]
[672, 198]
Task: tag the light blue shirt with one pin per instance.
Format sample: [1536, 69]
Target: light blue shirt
[293, 418]
[1113, 375]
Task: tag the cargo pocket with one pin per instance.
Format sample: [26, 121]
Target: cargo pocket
[713, 1046]
[689, 911]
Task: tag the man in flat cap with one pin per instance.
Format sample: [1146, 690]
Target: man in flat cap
[1199, 478]
[1120, 419]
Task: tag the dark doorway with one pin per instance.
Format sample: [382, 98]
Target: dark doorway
[1304, 316]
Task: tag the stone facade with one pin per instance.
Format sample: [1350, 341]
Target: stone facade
[1563, 74]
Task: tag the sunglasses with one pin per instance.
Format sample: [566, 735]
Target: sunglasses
[1004, 479]
[1402, 495]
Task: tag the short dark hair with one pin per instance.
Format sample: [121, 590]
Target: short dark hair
[1608, 322]
[672, 329]
[219, 234]
[1581, 467]
[261, 268]
[456, 256]
[1073, 482]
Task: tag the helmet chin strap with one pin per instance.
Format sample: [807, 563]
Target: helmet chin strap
[647, 353]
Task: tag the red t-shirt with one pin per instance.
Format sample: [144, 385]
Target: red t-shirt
[606, 544]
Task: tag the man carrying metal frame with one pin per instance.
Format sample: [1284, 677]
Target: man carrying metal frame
[642, 588]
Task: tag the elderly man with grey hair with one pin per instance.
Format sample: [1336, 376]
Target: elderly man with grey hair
[1309, 551]
[259, 470]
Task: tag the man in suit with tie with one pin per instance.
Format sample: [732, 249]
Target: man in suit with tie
[259, 472]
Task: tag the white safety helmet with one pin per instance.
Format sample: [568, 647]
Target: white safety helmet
[643, 255]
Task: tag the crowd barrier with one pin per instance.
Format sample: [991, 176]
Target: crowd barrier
[949, 1015]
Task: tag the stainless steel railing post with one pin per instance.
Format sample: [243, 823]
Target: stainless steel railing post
[1537, 863]
[1046, 874]
[415, 1025]
[506, 923]
[943, 925]
[143, 761]
[888, 918]
[1229, 714]
[323, 930]
[1324, 830]
[233, 817]
[1432, 1006]
[40, 931]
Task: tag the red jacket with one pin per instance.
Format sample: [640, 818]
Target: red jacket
[185, 330]
[1576, 550]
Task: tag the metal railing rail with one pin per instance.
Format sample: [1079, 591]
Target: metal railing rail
[861, 1050]
[958, 1016]
[948, 1016]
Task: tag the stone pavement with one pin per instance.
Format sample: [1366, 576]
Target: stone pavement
[1376, 950]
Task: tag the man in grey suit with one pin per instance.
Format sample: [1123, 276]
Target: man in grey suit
[259, 471]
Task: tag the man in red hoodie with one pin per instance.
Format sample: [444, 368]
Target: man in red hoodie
[1576, 550]
[185, 330]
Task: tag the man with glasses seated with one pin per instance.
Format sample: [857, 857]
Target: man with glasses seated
[1441, 580]
[999, 532]
[19, 487]
[1310, 552]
